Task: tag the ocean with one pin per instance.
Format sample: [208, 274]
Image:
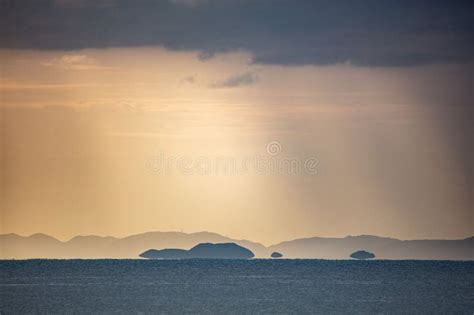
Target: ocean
[236, 286]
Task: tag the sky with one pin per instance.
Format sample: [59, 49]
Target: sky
[256, 119]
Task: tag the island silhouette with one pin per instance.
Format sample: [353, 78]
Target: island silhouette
[276, 255]
[203, 250]
[362, 255]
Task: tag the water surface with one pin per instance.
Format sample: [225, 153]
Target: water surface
[236, 286]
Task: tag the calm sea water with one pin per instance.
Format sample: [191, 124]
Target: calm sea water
[236, 286]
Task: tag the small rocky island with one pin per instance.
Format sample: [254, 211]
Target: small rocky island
[276, 255]
[362, 255]
[203, 250]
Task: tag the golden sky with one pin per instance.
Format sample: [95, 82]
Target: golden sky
[80, 129]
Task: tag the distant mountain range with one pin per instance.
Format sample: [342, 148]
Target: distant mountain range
[45, 246]
[382, 247]
[13, 246]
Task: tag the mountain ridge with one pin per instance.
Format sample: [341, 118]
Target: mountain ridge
[40, 245]
[14, 246]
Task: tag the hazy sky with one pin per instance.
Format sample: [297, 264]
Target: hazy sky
[96, 94]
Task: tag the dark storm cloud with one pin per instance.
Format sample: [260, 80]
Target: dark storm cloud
[371, 32]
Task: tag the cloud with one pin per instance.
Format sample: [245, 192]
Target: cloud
[190, 3]
[205, 55]
[73, 62]
[243, 79]
[188, 80]
[21, 86]
[284, 32]
[86, 3]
